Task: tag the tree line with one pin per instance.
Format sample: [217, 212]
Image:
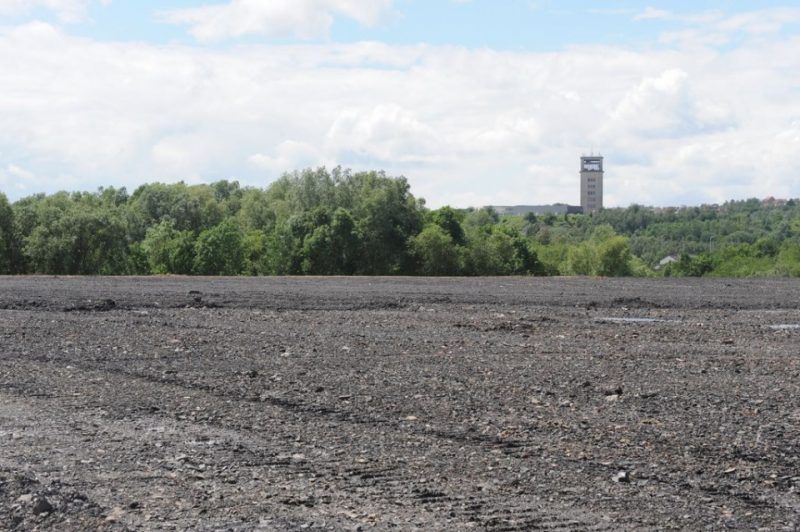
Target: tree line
[339, 222]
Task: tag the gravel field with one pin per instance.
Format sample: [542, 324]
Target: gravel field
[494, 404]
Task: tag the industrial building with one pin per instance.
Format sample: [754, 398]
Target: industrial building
[591, 183]
[591, 179]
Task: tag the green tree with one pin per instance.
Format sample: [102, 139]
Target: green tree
[281, 256]
[741, 260]
[219, 250]
[254, 250]
[481, 219]
[435, 251]
[169, 250]
[581, 259]
[77, 235]
[228, 195]
[7, 240]
[347, 243]
[520, 257]
[489, 254]
[450, 221]
[319, 252]
[689, 266]
[614, 257]
[788, 260]
[387, 216]
[256, 212]
[192, 208]
[332, 247]
[137, 260]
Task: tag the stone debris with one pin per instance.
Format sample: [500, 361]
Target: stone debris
[622, 476]
[41, 506]
[332, 404]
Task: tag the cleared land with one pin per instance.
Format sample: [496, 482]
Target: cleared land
[395, 403]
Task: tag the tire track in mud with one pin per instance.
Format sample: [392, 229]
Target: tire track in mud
[303, 456]
[396, 485]
[386, 488]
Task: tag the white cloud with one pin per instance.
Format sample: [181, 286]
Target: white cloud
[288, 155]
[297, 18]
[665, 106]
[383, 133]
[652, 13]
[66, 10]
[695, 38]
[761, 22]
[716, 28]
[16, 177]
[17, 181]
[465, 126]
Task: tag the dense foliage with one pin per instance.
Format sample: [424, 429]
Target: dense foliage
[321, 222]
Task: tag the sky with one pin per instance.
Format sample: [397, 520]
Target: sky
[475, 102]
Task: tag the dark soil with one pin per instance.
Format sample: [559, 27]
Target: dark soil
[395, 403]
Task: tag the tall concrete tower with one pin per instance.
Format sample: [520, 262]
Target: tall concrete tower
[591, 183]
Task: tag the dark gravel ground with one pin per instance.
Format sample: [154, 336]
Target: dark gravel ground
[394, 403]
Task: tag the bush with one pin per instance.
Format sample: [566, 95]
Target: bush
[219, 250]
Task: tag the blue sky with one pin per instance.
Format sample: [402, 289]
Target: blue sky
[532, 25]
[475, 101]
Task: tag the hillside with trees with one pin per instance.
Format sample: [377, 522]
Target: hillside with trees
[337, 222]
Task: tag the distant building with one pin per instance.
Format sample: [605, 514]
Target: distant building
[669, 259]
[591, 183]
[774, 202]
[591, 194]
[538, 210]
